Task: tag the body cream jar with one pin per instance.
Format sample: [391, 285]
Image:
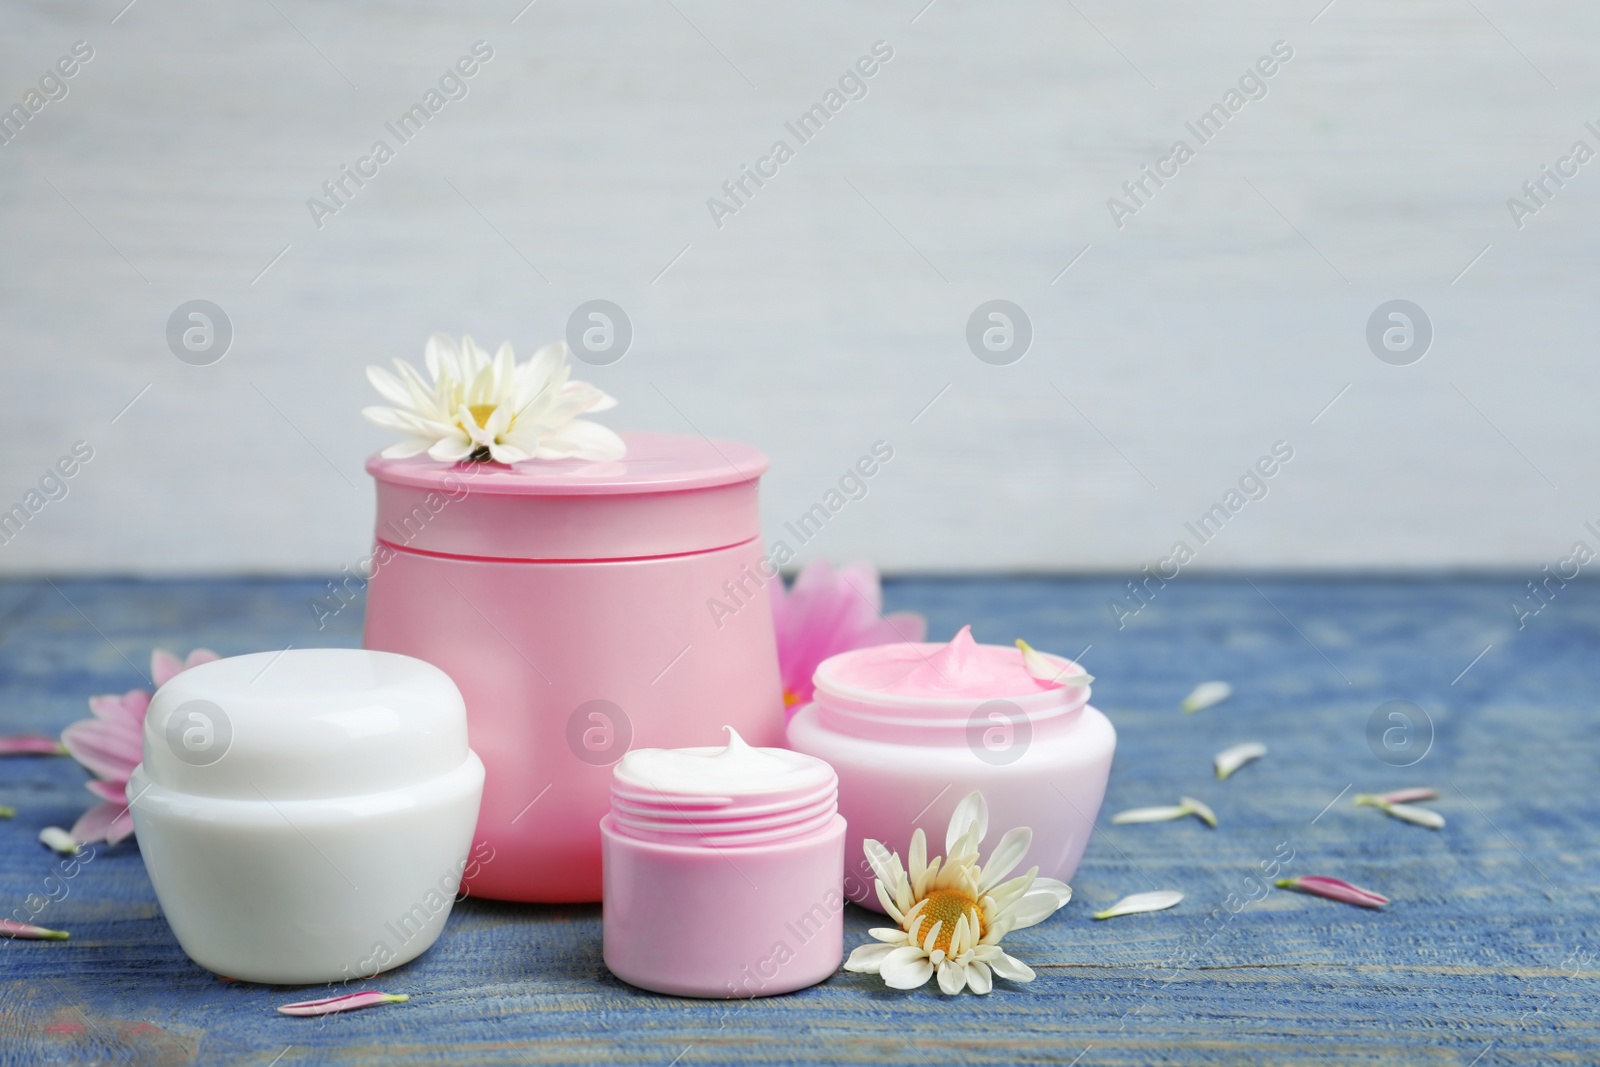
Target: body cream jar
[575, 605]
[723, 871]
[306, 815]
[913, 728]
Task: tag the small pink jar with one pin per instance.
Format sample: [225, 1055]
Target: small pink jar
[572, 602]
[723, 871]
[911, 729]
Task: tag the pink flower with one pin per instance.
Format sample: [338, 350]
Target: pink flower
[828, 612]
[111, 744]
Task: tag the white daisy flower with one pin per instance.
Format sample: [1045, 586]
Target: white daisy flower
[479, 407]
[952, 913]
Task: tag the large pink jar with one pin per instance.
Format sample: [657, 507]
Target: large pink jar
[571, 602]
[911, 729]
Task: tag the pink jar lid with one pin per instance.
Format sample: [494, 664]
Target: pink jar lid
[671, 494]
[722, 797]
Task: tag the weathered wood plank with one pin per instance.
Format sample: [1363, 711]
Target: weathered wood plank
[1491, 916]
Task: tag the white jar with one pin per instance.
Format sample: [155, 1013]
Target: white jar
[306, 815]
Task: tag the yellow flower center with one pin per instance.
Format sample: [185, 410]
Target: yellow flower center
[790, 698]
[947, 906]
[481, 412]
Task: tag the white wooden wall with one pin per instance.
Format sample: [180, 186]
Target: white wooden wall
[827, 313]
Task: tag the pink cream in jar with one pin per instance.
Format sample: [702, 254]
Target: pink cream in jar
[912, 728]
[723, 871]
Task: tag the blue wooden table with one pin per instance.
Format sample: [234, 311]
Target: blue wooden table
[1486, 955]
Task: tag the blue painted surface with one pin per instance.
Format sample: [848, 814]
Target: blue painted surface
[1487, 950]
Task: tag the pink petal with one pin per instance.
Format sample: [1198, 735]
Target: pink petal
[115, 792]
[903, 626]
[106, 821]
[164, 666]
[31, 746]
[129, 708]
[8, 928]
[121, 827]
[1409, 796]
[348, 1002]
[109, 750]
[1334, 889]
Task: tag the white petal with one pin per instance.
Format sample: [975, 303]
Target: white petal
[958, 939]
[1157, 900]
[1042, 901]
[504, 453]
[952, 977]
[442, 358]
[452, 449]
[1056, 670]
[1176, 811]
[933, 936]
[979, 979]
[888, 903]
[868, 958]
[1231, 759]
[917, 859]
[582, 439]
[58, 840]
[1200, 809]
[972, 811]
[389, 387]
[392, 419]
[1006, 855]
[905, 968]
[545, 363]
[1413, 814]
[1007, 966]
[407, 449]
[1206, 694]
[892, 935]
[883, 863]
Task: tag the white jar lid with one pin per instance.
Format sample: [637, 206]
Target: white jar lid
[304, 724]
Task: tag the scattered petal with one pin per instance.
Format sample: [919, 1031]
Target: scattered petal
[1158, 900]
[31, 746]
[24, 932]
[1409, 796]
[1201, 810]
[348, 1002]
[58, 840]
[1404, 812]
[1413, 814]
[1334, 889]
[1174, 811]
[1206, 694]
[1231, 759]
[1052, 669]
[1185, 806]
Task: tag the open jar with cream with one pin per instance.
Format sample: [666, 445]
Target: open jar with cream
[723, 871]
[912, 728]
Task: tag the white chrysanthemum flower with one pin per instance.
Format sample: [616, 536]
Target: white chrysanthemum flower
[953, 912]
[492, 408]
